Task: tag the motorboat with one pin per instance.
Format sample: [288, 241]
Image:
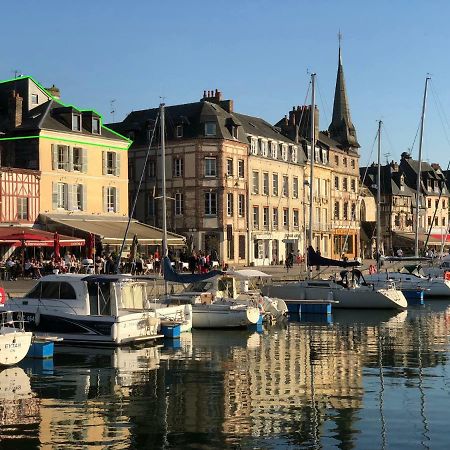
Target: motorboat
[95, 309]
[14, 340]
[412, 277]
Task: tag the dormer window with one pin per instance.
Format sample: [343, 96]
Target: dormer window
[264, 147]
[210, 129]
[294, 154]
[254, 146]
[274, 150]
[179, 131]
[95, 125]
[234, 132]
[76, 122]
[34, 99]
[284, 152]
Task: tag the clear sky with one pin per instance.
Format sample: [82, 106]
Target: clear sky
[256, 52]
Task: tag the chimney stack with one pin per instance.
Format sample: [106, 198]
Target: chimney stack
[54, 91]
[15, 103]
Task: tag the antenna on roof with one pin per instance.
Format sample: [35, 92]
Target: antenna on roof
[17, 73]
[386, 155]
[113, 109]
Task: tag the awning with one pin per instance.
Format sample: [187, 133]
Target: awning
[406, 238]
[110, 230]
[32, 237]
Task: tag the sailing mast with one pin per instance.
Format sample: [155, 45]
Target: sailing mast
[311, 175]
[163, 176]
[379, 245]
[419, 176]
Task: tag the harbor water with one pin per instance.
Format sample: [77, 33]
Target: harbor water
[362, 380]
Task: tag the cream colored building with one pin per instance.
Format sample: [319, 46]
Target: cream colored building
[83, 164]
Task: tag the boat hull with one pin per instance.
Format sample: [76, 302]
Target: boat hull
[223, 316]
[14, 345]
[363, 297]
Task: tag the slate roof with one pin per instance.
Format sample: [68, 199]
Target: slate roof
[390, 180]
[45, 116]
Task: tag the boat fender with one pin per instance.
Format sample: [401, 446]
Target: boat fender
[2, 296]
[37, 318]
[114, 334]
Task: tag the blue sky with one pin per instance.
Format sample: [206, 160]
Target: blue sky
[256, 52]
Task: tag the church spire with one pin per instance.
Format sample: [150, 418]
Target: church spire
[341, 128]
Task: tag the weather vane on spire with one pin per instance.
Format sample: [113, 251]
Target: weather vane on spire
[339, 38]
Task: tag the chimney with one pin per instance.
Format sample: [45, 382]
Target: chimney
[15, 103]
[54, 92]
[227, 105]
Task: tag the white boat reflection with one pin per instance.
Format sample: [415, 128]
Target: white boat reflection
[369, 318]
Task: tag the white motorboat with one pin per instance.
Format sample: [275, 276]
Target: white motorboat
[96, 309]
[172, 314]
[14, 340]
[411, 277]
[353, 296]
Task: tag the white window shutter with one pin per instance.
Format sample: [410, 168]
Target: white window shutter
[105, 198]
[54, 156]
[70, 159]
[84, 162]
[117, 158]
[66, 196]
[66, 157]
[55, 195]
[70, 196]
[117, 200]
[104, 162]
[83, 197]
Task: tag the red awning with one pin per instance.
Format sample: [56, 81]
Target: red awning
[439, 238]
[30, 237]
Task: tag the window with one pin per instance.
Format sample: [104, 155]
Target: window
[230, 204]
[179, 204]
[66, 292]
[230, 167]
[266, 217]
[286, 217]
[111, 199]
[22, 208]
[151, 168]
[436, 204]
[210, 129]
[284, 152]
[295, 219]
[324, 156]
[274, 150]
[234, 132]
[294, 154]
[429, 220]
[295, 187]
[265, 183]
[275, 184]
[436, 223]
[210, 167]
[429, 203]
[255, 184]
[345, 211]
[264, 146]
[241, 205]
[275, 218]
[317, 155]
[254, 146]
[336, 210]
[34, 99]
[180, 131]
[111, 163]
[61, 196]
[76, 122]
[336, 182]
[344, 160]
[241, 247]
[336, 159]
[443, 221]
[241, 168]
[353, 184]
[178, 167]
[353, 216]
[345, 184]
[62, 157]
[353, 164]
[285, 186]
[95, 125]
[256, 217]
[210, 203]
[77, 163]
[77, 195]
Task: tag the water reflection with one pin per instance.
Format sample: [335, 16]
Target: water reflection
[366, 380]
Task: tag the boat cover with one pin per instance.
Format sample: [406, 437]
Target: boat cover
[316, 260]
[186, 278]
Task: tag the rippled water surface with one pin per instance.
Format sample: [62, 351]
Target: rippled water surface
[367, 380]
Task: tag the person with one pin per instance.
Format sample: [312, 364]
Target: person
[399, 252]
[192, 262]
[289, 260]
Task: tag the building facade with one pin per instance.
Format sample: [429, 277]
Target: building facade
[82, 164]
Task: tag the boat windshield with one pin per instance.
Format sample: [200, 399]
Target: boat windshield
[199, 286]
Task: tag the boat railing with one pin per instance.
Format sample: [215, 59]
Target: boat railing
[12, 320]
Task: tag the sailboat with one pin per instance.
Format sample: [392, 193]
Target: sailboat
[409, 278]
[351, 292]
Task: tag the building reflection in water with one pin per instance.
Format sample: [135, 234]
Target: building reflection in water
[308, 384]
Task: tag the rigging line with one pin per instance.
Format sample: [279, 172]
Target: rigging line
[441, 113]
[361, 184]
[141, 179]
[415, 137]
[325, 104]
[388, 138]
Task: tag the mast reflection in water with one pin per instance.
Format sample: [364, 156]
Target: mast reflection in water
[367, 380]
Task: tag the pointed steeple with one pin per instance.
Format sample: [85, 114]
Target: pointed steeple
[341, 128]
